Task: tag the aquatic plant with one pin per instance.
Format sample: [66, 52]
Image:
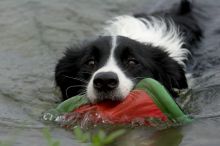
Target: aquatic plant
[5, 143]
[101, 138]
[49, 139]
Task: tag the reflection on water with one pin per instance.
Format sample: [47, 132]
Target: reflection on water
[206, 100]
[149, 137]
[200, 102]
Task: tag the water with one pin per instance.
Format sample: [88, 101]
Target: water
[33, 34]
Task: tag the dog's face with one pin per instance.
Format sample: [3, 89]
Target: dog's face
[109, 68]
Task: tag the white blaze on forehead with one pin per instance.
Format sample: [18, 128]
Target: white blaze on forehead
[125, 84]
[114, 45]
[154, 31]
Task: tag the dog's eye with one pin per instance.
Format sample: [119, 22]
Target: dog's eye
[91, 62]
[132, 61]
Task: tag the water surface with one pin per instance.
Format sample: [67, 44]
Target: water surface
[33, 35]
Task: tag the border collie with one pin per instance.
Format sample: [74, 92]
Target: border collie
[130, 48]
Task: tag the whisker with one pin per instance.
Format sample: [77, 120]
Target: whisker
[73, 87]
[78, 79]
[124, 70]
[77, 86]
[137, 78]
[82, 93]
[86, 72]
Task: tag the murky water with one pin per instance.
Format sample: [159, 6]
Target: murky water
[33, 34]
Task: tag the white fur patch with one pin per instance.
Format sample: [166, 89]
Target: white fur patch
[125, 84]
[154, 32]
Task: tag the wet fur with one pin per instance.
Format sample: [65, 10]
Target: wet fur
[160, 42]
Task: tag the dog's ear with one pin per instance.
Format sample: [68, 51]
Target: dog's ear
[65, 72]
[184, 7]
[167, 71]
[159, 65]
[170, 74]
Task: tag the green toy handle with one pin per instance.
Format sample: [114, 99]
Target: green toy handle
[163, 100]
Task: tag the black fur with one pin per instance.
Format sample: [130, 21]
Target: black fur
[72, 69]
[185, 19]
[72, 72]
[152, 62]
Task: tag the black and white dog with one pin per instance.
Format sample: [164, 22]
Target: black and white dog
[130, 48]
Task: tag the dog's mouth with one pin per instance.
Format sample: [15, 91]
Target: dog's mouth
[112, 96]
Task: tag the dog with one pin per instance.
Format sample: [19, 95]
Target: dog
[130, 48]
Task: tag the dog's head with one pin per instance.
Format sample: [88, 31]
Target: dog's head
[109, 68]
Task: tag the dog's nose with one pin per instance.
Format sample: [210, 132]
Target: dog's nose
[105, 81]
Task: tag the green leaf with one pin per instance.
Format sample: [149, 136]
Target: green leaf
[56, 143]
[78, 132]
[114, 135]
[96, 141]
[85, 137]
[101, 135]
[46, 134]
[3, 143]
[48, 137]
[80, 135]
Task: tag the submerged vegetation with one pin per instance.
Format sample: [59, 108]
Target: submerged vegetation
[49, 139]
[100, 138]
[5, 143]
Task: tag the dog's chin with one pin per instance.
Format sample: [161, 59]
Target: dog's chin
[107, 96]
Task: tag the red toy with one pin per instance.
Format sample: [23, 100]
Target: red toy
[148, 104]
[137, 106]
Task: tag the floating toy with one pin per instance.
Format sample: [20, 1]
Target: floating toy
[147, 103]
